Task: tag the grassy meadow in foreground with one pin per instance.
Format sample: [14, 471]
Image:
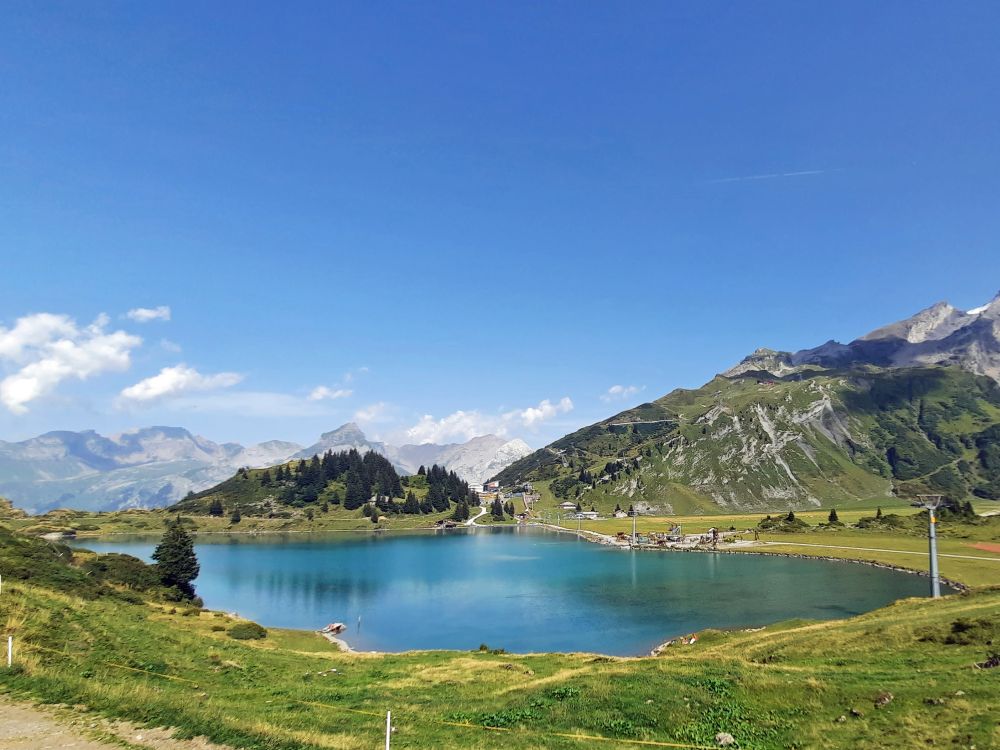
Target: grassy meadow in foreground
[98, 634]
[784, 686]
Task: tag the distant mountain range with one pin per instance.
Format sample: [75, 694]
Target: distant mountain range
[156, 466]
[474, 461]
[939, 335]
[911, 407]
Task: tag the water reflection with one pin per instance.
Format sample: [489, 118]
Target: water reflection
[522, 589]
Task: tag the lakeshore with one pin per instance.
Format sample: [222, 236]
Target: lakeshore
[464, 587]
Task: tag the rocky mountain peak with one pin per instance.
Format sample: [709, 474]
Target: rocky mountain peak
[990, 310]
[937, 335]
[935, 322]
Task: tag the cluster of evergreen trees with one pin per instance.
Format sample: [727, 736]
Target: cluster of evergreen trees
[364, 477]
[499, 508]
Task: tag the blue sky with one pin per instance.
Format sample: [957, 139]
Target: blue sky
[488, 213]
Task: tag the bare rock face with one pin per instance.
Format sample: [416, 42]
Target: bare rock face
[938, 335]
[934, 323]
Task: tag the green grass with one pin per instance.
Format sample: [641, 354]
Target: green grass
[781, 687]
[91, 524]
[847, 438]
[170, 664]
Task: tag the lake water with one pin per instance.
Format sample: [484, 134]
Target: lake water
[521, 589]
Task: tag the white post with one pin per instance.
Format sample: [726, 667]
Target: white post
[388, 728]
[10, 651]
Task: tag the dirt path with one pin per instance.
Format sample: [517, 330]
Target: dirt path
[986, 547]
[24, 726]
[472, 521]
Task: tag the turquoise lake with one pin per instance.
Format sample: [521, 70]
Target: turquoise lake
[522, 589]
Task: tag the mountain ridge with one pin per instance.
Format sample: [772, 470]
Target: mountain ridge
[157, 466]
[937, 335]
[911, 407]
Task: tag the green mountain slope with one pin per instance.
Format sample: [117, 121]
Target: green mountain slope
[760, 442]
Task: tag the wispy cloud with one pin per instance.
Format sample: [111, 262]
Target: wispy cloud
[621, 392]
[147, 314]
[350, 375]
[771, 175]
[373, 413]
[322, 393]
[267, 404]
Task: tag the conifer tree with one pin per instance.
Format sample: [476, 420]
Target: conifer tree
[216, 509]
[356, 495]
[176, 561]
[236, 517]
[833, 516]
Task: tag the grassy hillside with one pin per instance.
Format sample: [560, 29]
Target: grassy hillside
[898, 677]
[758, 442]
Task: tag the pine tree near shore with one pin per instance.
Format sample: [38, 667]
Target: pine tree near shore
[176, 561]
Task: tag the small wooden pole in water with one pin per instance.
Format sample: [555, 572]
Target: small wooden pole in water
[388, 728]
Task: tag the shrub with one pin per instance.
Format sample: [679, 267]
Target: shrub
[124, 570]
[247, 631]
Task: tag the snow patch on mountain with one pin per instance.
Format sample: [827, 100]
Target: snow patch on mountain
[938, 335]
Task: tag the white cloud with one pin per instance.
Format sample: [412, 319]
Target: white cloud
[176, 381]
[545, 410]
[620, 392]
[461, 425]
[45, 349]
[147, 314]
[321, 392]
[170, 346]
[377, 412]
[465, 425]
